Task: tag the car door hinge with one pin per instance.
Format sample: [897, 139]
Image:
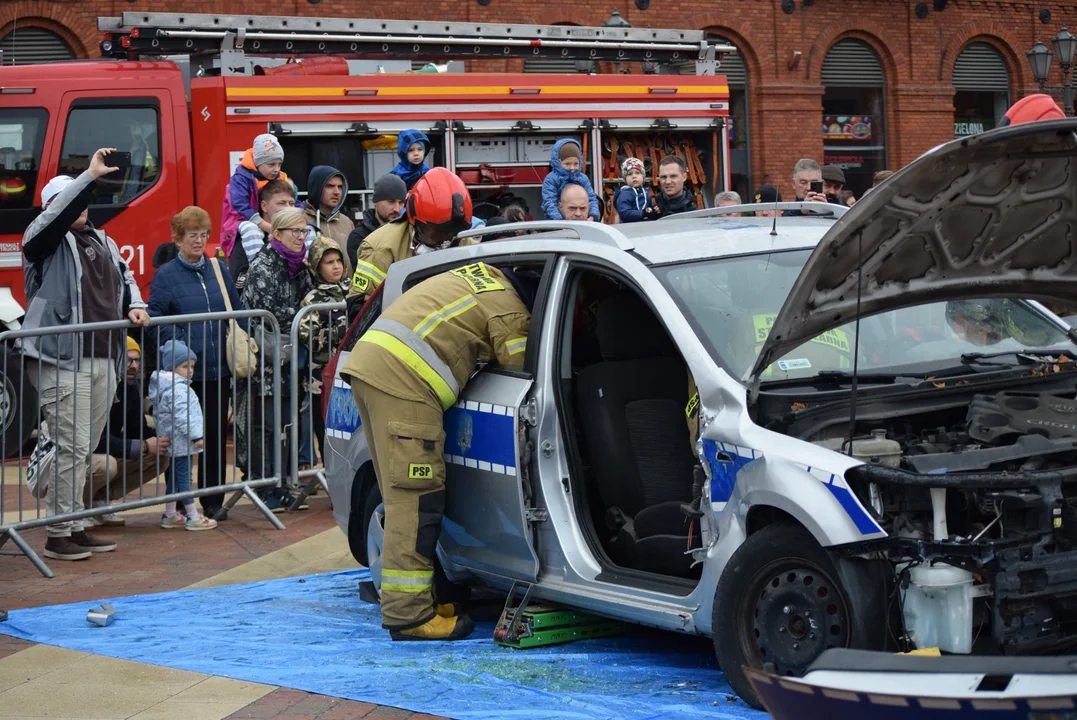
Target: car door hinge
[537, 514]
[529, 412]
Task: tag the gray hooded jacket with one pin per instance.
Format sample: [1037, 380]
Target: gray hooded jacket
[53, 277]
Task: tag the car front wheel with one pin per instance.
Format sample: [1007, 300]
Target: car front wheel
[18, 404]
[780, 603]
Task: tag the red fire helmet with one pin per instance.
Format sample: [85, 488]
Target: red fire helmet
[440, 201]
[1032, 108]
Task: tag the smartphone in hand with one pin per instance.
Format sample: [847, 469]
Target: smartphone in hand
[119, 160]
[817, 186]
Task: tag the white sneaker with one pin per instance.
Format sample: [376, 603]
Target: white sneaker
[112, 520]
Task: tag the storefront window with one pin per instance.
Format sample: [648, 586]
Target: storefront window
[982, 89]
[854, 136]
[854, 113]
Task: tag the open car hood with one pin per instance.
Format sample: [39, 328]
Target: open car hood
[994, 214]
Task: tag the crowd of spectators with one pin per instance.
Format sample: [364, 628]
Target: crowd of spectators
[278, 255]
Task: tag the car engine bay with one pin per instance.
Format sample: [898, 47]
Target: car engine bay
[978, 495]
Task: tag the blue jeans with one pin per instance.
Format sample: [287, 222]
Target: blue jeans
[178, 478]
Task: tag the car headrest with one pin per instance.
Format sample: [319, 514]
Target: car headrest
[627, 329]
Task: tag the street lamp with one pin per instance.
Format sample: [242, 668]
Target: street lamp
[616, 21]
[1039, 58]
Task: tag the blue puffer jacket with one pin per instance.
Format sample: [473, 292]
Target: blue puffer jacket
[409, 172]
[179, 289]
[557, 179]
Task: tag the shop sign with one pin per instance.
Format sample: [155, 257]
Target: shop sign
[845, 162]
[972, 126]
[846, 127]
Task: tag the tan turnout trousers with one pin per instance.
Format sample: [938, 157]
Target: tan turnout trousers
[407, 442]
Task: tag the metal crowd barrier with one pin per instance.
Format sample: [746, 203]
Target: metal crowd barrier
[305, 376]
[114, 469]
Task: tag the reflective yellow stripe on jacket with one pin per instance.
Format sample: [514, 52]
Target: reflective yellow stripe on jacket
[516, 345]
[440, 315]
[411, 349]
[367, 276]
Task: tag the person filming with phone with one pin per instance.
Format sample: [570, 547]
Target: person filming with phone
[74, 274]
[807, 185]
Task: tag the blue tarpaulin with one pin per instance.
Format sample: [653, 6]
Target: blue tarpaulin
[314, 634]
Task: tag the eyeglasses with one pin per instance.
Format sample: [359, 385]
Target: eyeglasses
[295, 231]
[197, 236]
[134, 361]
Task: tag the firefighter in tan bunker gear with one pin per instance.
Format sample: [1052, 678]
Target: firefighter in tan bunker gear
[436, 209]
[405, 371]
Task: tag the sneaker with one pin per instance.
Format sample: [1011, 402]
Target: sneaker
[437, 628]
[201, 523]
[87, 541]
[289, 502]
[106, 520]
[175, 521]
[272, 501]
[109, 520]
[62, 548]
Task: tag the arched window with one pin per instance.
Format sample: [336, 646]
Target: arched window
[981, 89]
[27, 45]
[854, 112]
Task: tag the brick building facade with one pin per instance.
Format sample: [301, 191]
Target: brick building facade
[909, 101]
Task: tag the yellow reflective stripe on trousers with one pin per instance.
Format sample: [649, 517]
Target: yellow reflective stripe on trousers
[442, 314]
[413, 581]
[440, 385]
[516, 345]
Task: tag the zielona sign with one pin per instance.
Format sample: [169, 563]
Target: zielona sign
[963, 128]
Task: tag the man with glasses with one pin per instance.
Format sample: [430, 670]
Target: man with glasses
[129, 453]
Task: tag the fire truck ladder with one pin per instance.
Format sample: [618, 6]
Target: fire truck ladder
[137, 35]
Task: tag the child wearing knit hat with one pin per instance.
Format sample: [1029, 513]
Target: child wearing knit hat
[179, 418]
[633, 202]
[566, 159]
[260, 164]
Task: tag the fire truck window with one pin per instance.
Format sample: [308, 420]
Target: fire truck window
[128, 129]
[22, 135]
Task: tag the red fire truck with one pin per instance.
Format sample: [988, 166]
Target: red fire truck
[186, 96]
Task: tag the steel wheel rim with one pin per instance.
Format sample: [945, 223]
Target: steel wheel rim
[791, 612]
[7, 404]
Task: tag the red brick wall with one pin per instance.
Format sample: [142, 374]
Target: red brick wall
[785, 97]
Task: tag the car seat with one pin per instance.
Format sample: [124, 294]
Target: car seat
[631, 407]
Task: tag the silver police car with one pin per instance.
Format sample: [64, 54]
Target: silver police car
[835, 429]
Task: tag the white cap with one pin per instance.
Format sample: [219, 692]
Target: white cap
[54, 187]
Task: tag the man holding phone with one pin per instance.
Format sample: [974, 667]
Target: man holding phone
[807, 184]
[74, 274]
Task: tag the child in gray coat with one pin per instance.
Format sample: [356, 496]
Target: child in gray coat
[179, 417]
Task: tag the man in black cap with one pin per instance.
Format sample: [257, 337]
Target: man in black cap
[768, 194]
[833, 182]
[390, 192]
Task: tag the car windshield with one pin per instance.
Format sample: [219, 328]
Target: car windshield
[732, 302]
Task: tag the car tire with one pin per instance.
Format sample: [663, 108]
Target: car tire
[783, 599]
[16, 392]
[364, 492]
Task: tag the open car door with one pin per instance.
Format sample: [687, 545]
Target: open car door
[485, 524]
